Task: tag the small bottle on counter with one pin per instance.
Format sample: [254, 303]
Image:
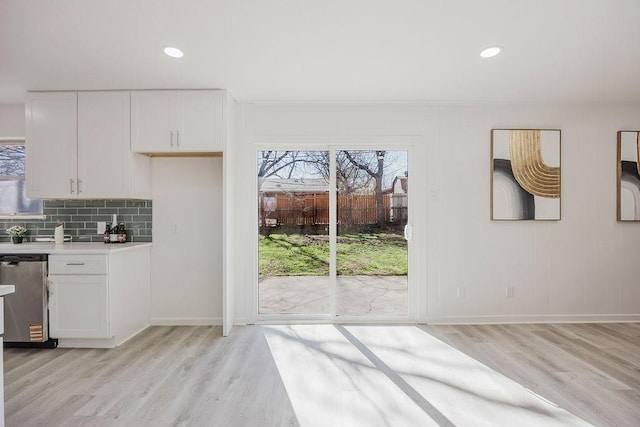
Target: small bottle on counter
[113, 233]
[122, 233]
[107, 233]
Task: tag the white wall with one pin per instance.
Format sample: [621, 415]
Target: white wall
[581, 268]
[186, 263]
[12, 120]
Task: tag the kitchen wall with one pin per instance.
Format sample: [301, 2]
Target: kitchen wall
[186, 282]
[79, 218]
[186, 257]
[582, 268]
[12, 121]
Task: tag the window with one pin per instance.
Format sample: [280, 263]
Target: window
[13, 200]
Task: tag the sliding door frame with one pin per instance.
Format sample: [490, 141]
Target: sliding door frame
[360, 143]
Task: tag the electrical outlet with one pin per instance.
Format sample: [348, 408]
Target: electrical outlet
[460, 293]
[101, 226]
[509, 291]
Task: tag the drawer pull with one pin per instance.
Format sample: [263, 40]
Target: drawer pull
[75, 263]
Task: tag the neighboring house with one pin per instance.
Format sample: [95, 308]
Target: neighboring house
[295, 186]
[294, 201]
[398, 199]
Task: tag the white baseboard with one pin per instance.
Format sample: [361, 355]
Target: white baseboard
[241, 322]
[86, 343]
[551, 318]
[186, 321]
[119, 342]
[98, 342]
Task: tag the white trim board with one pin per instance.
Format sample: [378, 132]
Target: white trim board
[506, 319]
[186, 321]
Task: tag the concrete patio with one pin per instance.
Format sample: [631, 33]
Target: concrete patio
[355, 295]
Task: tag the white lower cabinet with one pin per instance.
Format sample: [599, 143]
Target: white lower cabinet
[98, 300]
[1, 383]
[79, 306]
[2, 364]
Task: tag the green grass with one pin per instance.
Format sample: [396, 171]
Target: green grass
[382, 254]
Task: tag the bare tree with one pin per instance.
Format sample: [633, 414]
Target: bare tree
[371, 162]
[276, 163]
[273, 163]
[12, 160]
[349, 179]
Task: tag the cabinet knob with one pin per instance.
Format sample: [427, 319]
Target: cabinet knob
[72, 185]
[171, 138]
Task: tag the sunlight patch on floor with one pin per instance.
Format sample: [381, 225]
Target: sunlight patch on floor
[397, 376]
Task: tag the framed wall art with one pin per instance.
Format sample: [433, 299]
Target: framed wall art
[525, 174]
[628, 176]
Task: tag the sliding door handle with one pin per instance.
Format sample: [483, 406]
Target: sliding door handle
[407, 232]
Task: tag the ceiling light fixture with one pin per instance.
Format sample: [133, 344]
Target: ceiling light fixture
[173, 52]
[490, 52]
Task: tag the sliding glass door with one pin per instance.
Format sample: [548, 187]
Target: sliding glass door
[332, 233]
[293, 240]
[371, 249]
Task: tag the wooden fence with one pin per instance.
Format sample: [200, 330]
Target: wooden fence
[313, 209]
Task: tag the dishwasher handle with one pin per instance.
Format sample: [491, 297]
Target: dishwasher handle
[10, 264]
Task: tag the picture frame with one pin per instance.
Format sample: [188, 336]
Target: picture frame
[526, 174]
[628, 176]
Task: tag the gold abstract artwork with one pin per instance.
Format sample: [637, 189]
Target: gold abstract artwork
[628, 182]
[528, 167]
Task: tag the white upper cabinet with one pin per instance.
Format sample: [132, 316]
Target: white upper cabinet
[151, 121]
[51, 144]
[177, 121]
[79, 147]
[107, 168]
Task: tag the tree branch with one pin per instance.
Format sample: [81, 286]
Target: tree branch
[359, 165]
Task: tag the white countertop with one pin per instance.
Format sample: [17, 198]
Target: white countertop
[6, 290]
[68, 248]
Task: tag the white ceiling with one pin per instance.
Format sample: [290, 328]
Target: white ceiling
[555, 51]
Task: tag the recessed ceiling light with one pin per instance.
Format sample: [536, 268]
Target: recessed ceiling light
[173, 52]
[490, 52]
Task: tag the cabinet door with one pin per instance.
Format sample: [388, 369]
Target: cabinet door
[152, 127]
[51, 144]
[78, 306]
[1, 383]
[103, 144]
[199, 117]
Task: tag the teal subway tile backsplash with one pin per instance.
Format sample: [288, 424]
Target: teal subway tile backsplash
[80, 217]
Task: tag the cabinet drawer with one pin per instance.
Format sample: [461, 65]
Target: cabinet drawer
[78, 264]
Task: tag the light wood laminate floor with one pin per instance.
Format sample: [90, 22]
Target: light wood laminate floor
[591, 370]
[274, 376]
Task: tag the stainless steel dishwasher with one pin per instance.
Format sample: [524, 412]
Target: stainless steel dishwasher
[26, 320]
